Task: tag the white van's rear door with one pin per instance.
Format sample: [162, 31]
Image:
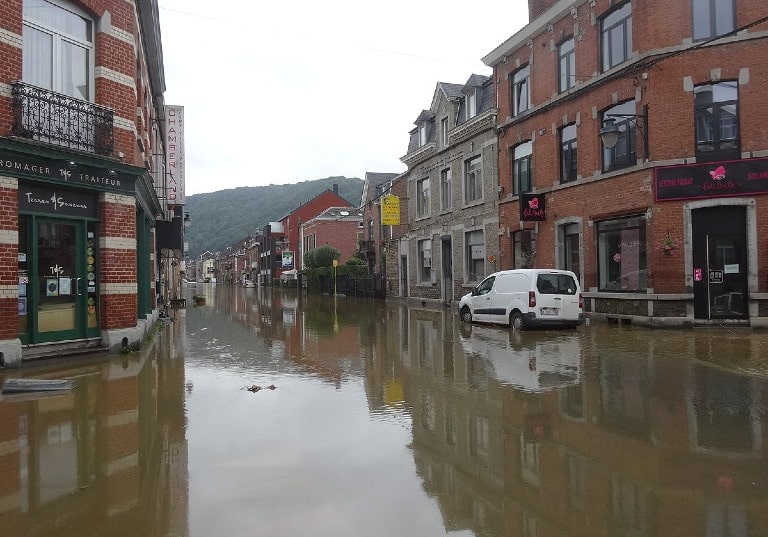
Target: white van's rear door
[557, 297]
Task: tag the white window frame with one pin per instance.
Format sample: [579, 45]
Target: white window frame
[422, 198]
[444, 132]
[471, 104]
[445, 189]
[425, 260]
[423, 135]
[521, 90]
[58, 39]
[473, 179]
[472, 273]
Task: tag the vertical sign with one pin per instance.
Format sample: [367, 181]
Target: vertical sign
[287, 260]
[174, 154]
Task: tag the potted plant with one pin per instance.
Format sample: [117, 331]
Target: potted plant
[668, 246]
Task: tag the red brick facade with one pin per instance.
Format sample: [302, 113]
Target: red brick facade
[662, 83]
[120, 176]
[292, 222]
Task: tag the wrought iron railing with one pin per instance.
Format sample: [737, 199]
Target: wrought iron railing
[46, 116]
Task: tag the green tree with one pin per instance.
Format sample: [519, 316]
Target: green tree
[355, 261]
[321, 257]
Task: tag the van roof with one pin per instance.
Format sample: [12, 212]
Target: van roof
[530, 272]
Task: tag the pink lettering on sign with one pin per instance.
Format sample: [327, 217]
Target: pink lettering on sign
[670, 183]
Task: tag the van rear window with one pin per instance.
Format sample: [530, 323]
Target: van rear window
[556, 284]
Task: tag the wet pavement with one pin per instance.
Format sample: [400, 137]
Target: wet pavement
[389, 419]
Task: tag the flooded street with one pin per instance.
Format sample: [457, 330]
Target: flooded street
[390, 420]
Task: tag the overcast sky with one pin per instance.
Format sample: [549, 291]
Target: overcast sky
[283, 92]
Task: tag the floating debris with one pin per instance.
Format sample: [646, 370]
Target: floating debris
[254, 388]
[14, 385]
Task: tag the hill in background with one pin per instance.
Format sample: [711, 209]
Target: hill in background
[219, 219]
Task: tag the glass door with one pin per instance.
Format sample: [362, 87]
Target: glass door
[720, 263]
[59, 311]
[727, 278]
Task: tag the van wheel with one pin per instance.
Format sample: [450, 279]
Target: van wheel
[466, 315]
[516, 320]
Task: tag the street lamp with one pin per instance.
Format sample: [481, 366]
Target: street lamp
[609, 134]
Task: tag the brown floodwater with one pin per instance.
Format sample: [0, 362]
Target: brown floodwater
[372, 418]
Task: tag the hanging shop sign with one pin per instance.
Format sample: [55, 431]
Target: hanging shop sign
[57, 201]
[712, 180]
[390, 211]
[65, 171]
[175, 163]
[287, 260]
[532, 207]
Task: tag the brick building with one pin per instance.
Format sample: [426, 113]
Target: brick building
[636, 132]
[337, 227]
[292, 222]
[375, 186]
[81, 164]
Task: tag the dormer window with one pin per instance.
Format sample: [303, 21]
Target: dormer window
[471, 104]
[423, 135]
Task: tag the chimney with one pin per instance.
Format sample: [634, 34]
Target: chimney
[538, 7]
[335, 188]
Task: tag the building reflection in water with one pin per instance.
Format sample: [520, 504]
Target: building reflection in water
[107, 458]
[596, 431]
[551, 433]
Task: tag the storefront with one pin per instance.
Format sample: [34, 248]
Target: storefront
[58, 252]
[85, 270]
[720, 206]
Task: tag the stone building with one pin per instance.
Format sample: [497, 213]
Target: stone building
[453, 193]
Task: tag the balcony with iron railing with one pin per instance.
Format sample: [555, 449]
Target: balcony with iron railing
[46, 116]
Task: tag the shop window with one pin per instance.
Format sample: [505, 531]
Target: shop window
[621, 254]
[571, 251]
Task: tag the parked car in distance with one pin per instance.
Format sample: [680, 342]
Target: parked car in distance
[524, 298]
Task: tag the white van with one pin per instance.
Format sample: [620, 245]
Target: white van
[525, 298]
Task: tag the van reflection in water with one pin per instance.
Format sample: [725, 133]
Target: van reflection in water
[526, 361]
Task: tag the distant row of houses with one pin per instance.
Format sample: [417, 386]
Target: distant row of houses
[277, 250]
[624, 141]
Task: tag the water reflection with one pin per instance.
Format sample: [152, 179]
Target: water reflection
[108, 458]
[390, 419]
